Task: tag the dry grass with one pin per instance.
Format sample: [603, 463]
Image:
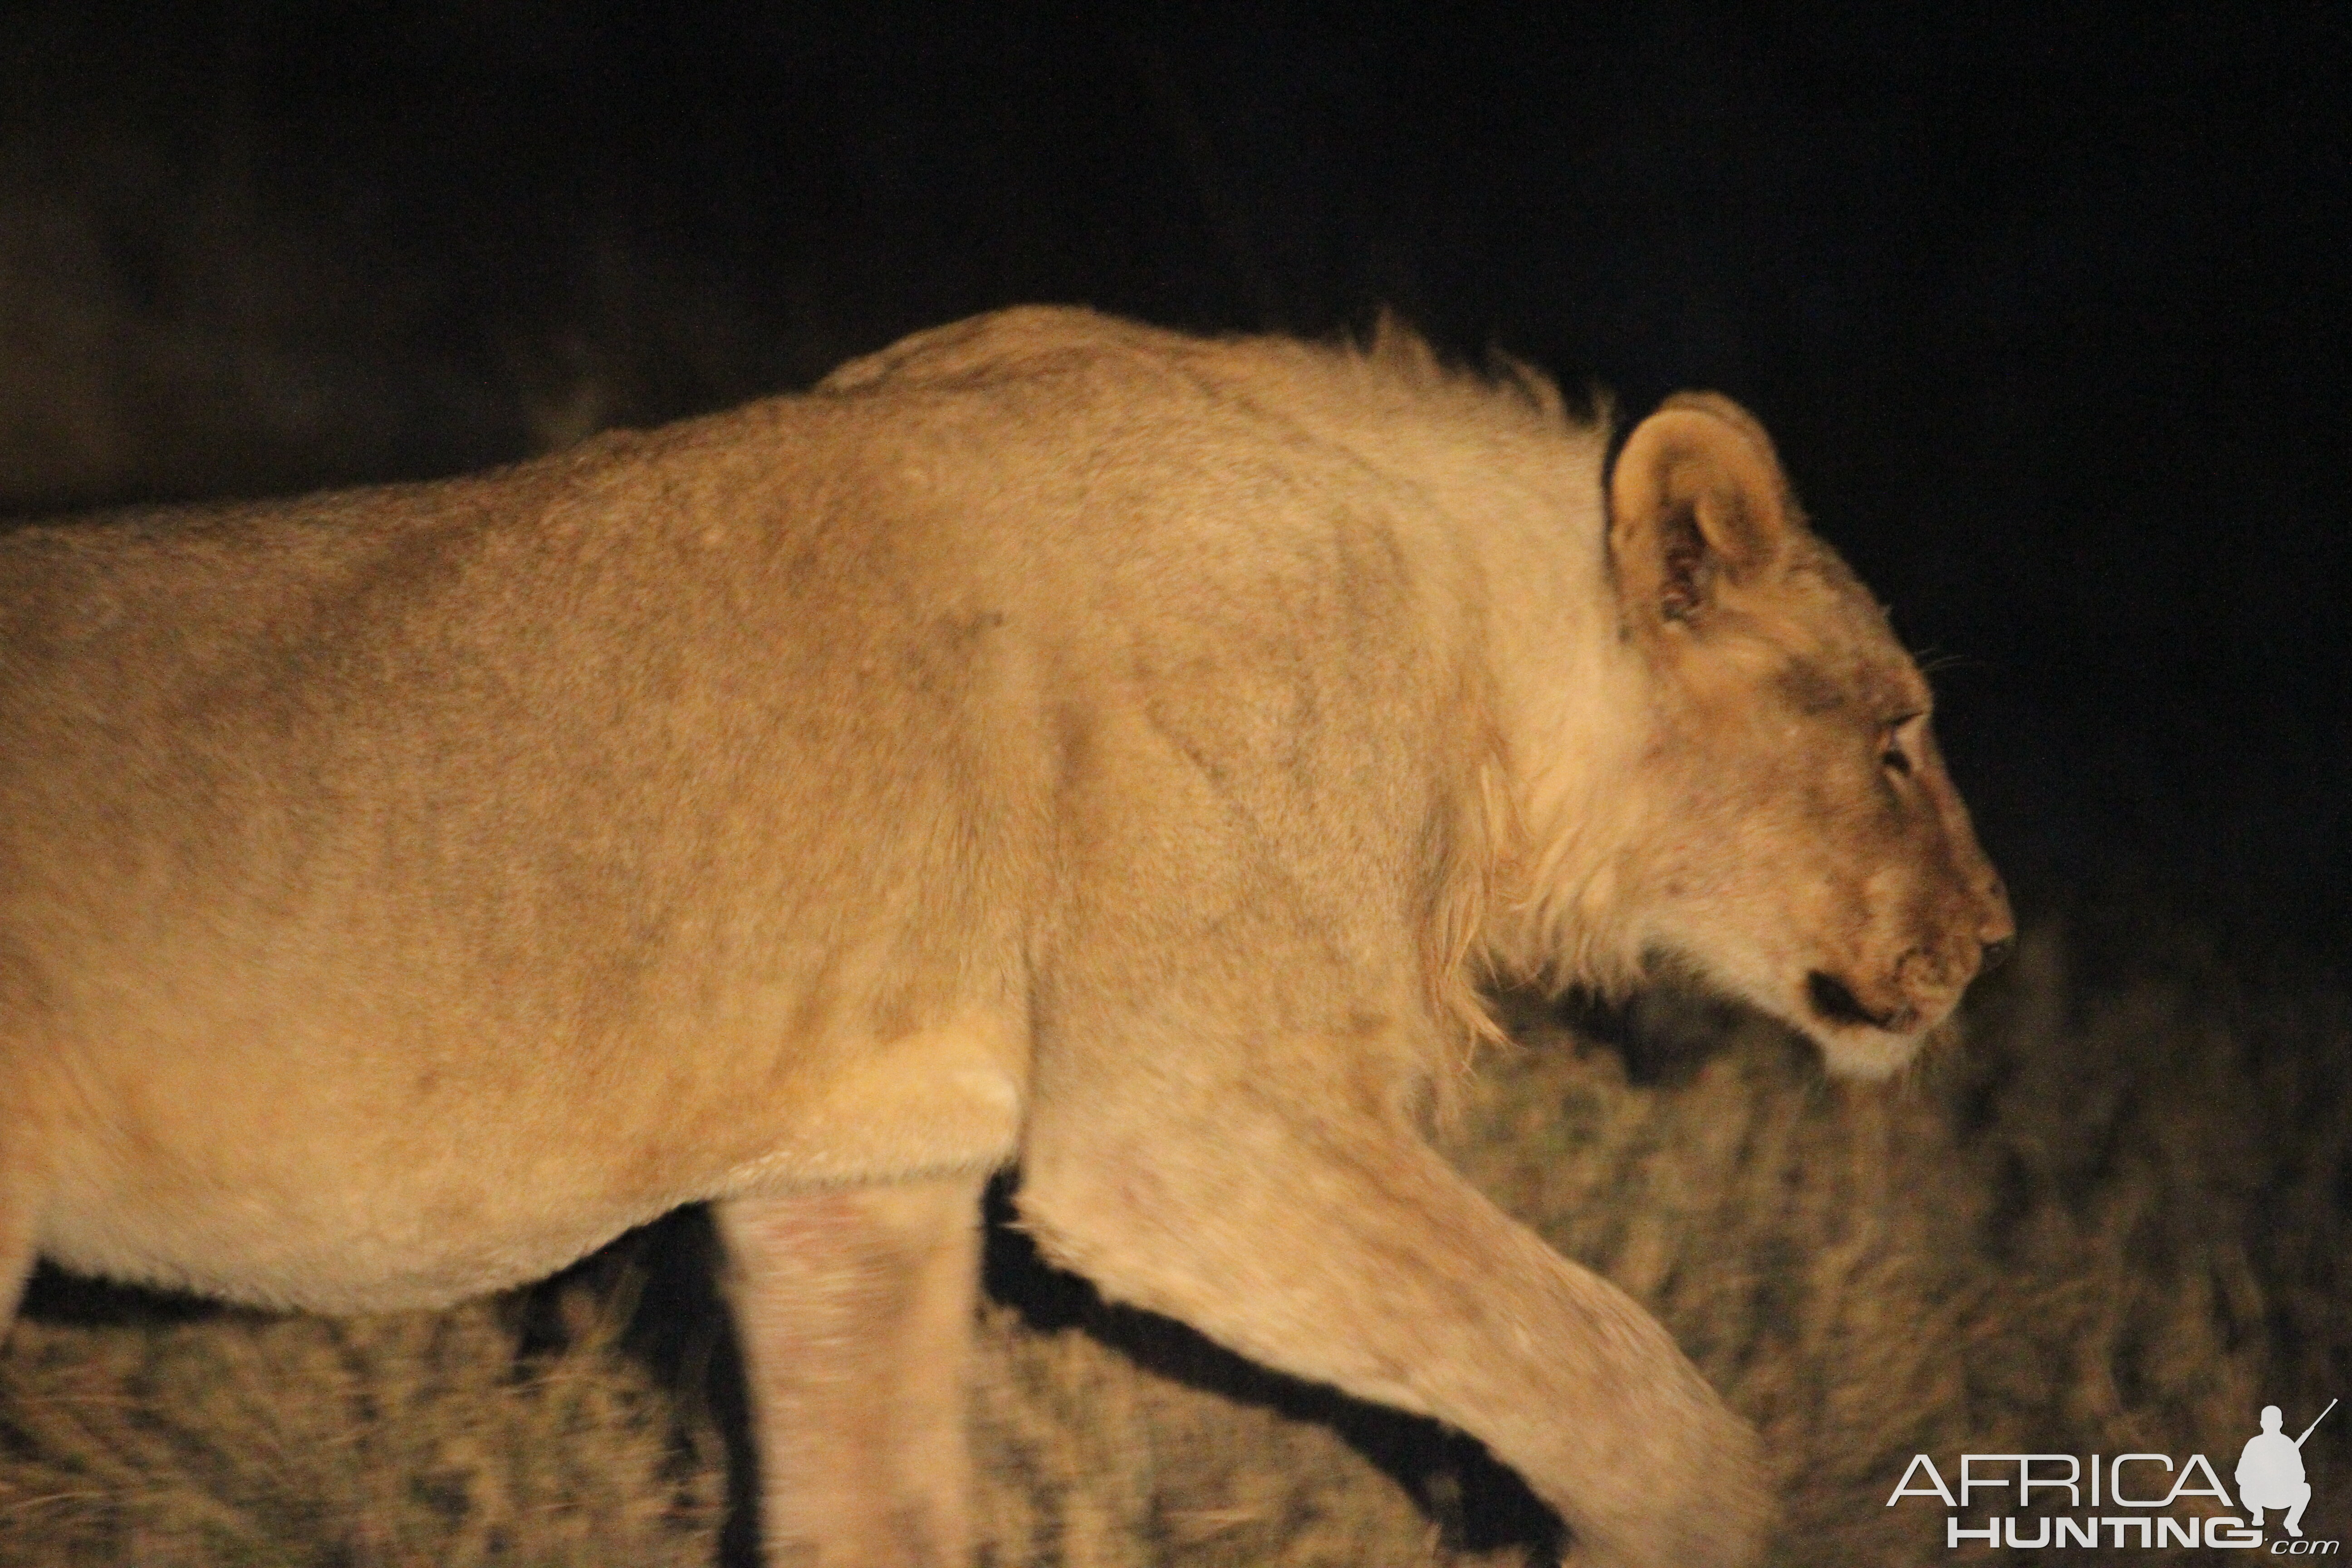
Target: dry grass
[2111, 1222]
[406, 1439]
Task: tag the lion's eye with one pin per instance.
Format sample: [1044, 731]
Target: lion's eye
[1893, 755]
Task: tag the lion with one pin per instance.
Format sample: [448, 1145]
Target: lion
[1051, 743]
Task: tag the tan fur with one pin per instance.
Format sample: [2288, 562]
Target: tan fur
[1052, 740]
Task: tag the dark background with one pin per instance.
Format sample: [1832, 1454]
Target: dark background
[2046, 305]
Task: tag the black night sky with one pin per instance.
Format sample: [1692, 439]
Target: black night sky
[2045, 305]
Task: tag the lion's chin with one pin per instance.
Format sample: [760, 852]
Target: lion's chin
[1873, 1056]
[1869, 1055]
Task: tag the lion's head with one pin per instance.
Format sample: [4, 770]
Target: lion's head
[1784, 824]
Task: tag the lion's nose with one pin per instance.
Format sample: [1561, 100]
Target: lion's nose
[1996, 953]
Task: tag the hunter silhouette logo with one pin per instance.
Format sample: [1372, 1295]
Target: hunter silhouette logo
[2270, 1471]
[2140, 1499]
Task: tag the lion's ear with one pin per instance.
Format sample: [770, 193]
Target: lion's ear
[1697, 499]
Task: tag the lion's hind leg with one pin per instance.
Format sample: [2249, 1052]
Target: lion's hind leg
[854, 1309]
[26, 1146]
[17, 1229]
[22, 1187]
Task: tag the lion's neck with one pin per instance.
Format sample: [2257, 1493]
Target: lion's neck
[1575, 721]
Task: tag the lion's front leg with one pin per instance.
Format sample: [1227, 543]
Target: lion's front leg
[1307, 1233]
[854, 1309]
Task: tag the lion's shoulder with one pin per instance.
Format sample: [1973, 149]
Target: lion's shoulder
[1003, 345]
[1391, 374]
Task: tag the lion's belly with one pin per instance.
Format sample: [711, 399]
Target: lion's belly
[380, 1253]
[286, 1200]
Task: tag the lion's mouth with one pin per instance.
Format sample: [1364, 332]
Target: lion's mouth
[1833, 1001]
